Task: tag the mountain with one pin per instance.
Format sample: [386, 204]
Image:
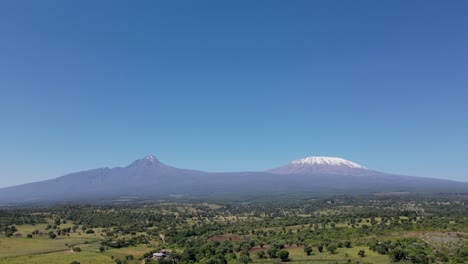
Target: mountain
[150, 178]
[324, 165]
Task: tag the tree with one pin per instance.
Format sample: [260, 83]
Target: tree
[102, 248]
[320, 248]
[347, 244]
[283, 255]
[308, 250]
[75, 262]
[332, 248]
[244, 258]
[362, 253]
[398, 254]
[52, 235]
[76, 249]
[272, 252]
[261, 254]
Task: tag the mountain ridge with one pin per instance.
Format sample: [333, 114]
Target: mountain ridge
[148, 177]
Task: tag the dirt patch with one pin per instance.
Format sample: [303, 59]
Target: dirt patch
[258, 248]
[444, 239]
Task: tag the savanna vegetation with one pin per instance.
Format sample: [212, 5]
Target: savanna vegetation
[379, 228]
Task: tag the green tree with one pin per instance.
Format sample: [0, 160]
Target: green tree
[320, 248]
[283, 255]
[76, 249]
[272, 252]
[261, 254]
[361, 253]
[332, 248]
[398, 254]
[308, 250]
[52, 235]
[244, 258]
[347, 244]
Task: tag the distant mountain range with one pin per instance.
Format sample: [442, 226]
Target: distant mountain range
[149, 178]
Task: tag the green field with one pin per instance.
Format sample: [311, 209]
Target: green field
[412, 229]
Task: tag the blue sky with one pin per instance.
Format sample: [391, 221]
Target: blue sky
[233, 85]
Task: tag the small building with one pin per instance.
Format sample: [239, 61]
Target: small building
[161, 254]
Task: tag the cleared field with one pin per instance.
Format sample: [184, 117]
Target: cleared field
[42, 250]
[13, 246]
[84, 257]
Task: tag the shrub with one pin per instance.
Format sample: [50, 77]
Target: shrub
[347, 244]
[308, 250]
[332, 248]
[76, 249]
[272, 252]
[361, 253]
[261, 254]
[283, 255]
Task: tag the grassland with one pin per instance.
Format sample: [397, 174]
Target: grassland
[224, 233]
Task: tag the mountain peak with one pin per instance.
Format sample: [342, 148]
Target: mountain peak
[147, 161]
[327, 161]
[151, 158]
[323, 166]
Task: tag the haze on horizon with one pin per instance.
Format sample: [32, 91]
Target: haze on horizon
[239, 86]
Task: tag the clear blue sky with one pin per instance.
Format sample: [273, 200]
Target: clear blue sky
[233, 85]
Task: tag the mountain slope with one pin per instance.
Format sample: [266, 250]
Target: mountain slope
[148, 177]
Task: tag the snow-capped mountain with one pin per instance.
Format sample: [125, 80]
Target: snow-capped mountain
[148, 177]
[323, 165]
[332, 161]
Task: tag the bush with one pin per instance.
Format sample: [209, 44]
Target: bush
[347, 244]
[332, 248]
[308, 250]
[76, 249]
[272, 252]
[320, 248]
[244, 258]
[283, 255]
[261, 254]
[362, 253]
